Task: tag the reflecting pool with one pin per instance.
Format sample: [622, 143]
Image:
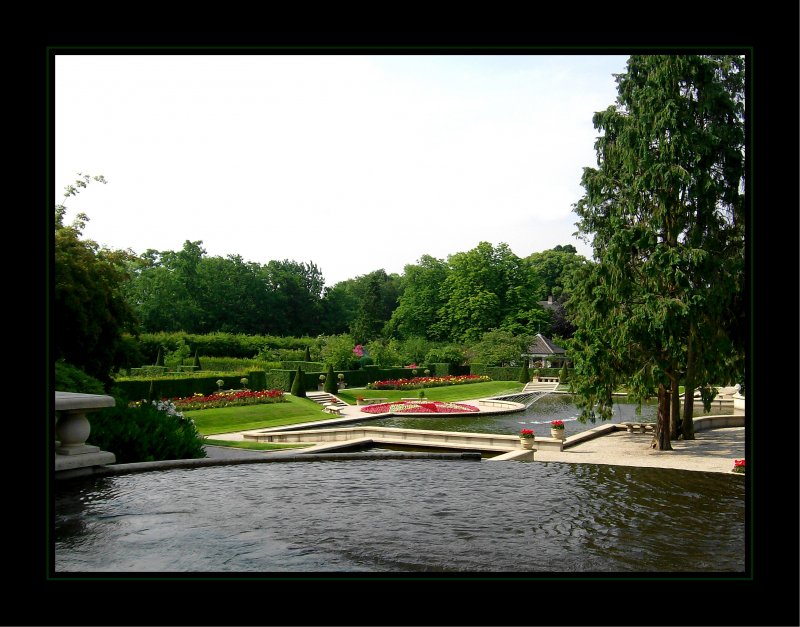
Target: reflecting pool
[536, 417]
[403, 516]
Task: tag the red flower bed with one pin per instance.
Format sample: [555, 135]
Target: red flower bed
[228, 399]
[420, 407]
[426, 382]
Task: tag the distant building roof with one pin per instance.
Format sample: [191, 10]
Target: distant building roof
[543, 346]
[549, 303]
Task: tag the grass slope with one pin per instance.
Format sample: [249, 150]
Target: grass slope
[298, 410]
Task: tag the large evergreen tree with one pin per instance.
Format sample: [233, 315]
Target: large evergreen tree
[664, 211]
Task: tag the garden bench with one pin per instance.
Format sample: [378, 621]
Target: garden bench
[641, 427]
[332, 408]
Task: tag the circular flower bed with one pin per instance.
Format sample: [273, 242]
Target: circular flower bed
[420, 407]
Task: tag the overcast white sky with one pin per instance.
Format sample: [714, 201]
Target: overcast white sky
[353, 162]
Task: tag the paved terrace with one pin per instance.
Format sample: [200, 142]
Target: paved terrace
[719, 440]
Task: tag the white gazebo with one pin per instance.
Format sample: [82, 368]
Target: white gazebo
[543, 350]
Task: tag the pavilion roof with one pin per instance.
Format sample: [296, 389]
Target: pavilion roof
[543, 346]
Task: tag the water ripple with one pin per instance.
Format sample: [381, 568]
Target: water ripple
[403, 516]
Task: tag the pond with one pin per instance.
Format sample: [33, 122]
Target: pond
[536, 417]
[413, 516]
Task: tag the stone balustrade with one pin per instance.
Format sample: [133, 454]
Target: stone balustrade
[73, 429]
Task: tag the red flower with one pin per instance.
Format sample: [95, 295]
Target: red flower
[526, 433]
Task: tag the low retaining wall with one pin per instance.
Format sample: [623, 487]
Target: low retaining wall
[718, 422]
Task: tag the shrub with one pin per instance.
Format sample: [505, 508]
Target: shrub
[298, 385]
[330, 381]
[525, 376]
[70, 378]
[146, 433]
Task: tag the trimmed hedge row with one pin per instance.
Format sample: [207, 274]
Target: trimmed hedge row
[507, 373]
[144, 348]
[183, 386]
[305, 366]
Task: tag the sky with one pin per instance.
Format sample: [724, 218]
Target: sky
[352, 162]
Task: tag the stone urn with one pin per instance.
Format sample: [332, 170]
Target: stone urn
[558, 434]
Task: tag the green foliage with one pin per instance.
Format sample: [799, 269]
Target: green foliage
[525, 374]
[143, 434]
[665, 209]
[564, 373]
[413, 349]
[485, 288]
[69, 378]
[384, 352]
[196, 362]
[279, 380]
[179, 386]
[421, 299]
[159, 357]
[298, 384]
[330, 381]
[175, 358]
[495, 373]
[439, 369]
[499, 348]
[337, 350]
[258, 380]
[89, 312]
[451, 354]
[305, 366]
[308, 354]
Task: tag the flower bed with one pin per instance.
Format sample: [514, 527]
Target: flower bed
[426, 382]
[225, 399]
[420, 407]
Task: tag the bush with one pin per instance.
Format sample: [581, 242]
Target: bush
[145, 434]
[299, 384]
[70, 378]
[330, 381]
[525, 375]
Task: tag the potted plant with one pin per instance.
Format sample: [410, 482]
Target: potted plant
[537, 374]
[220, 383]
[244, 382]
[527, 437]
[360, 400]
[321, 385]
[342, 383]
[557, 429]
[738, 466]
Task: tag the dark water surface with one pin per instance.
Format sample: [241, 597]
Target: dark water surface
[403, 516]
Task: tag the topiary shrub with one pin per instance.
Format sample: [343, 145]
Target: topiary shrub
[330, 381]
[145, 433]
[525, 376]
[298, 385]
[196, 362]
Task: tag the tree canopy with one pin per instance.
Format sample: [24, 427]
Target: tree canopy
[664, 212]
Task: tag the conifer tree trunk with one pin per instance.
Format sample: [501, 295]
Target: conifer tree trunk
[675, 410]
[661, 438]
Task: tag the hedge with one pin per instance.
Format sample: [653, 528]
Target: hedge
[143, 348]
[181, 387]
[305, 366]
[507, 373]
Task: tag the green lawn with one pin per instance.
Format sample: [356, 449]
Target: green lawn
[449, 393]
[297, 410]
[229, 419]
